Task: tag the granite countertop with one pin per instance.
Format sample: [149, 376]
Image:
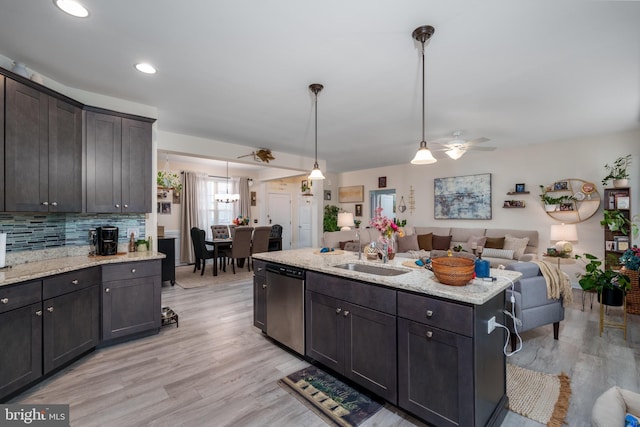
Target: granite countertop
[417, 279]
[50, 267]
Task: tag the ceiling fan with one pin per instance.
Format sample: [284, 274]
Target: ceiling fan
[455, 146]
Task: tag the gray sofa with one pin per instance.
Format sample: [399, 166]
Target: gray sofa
[459, 236]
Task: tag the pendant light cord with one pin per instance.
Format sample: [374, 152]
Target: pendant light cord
[316, 151]
[423, 103]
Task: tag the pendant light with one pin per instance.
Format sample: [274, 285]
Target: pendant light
[316, 173]
[423, 156]
[227, 198]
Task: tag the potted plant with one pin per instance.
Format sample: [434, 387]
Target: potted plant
[617, 172]
[610, 285]
[330, 219]
[169, 181]
[551, 203]
[617, 221]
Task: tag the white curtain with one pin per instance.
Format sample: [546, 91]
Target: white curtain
[245, 200]
[193, 201]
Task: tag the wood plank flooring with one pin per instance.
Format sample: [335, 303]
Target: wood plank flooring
[216, 369]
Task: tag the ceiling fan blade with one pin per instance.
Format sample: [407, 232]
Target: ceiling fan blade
[481, 148]
[478, 140]
[444, 140]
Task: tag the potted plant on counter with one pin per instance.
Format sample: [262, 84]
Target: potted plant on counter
[610, 285]
[617, 172]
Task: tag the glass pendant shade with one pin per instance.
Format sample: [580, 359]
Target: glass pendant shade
[316, 174]
[423, 156]
[455, 153]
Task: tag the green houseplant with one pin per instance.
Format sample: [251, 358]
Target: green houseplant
[551, 203]
[169, 181]
[330, 219]
[617, 171]
[610, 285]
[617, 221]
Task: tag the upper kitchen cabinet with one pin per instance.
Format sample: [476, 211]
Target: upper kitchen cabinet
[43, 151]
[119, 162]
[2, 141]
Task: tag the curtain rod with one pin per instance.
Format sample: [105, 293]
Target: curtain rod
[211, 176]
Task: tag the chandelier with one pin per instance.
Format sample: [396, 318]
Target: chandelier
[226, 197]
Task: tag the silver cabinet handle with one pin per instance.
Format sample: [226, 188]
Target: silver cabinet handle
[338, 310]
[346, 313]
[54, 203]
[126, 206]
[429, 313]
[259, 268]
[429, 334]
[264, 286]
[4, 300]
[117, 205]
[50, 309]
[45, 203]
[133, 270]
[74, 282]
[107, 290]
[39, 313]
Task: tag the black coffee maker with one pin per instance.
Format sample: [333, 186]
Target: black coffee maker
[107, 240]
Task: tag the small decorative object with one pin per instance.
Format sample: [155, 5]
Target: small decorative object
[401, 206]
[305, 187]
[240, 220]
[253, 198]
[20, 69]
[588, 187]
[560, 185]
[327, 194]
[617, 172]
[519, 188]
[261, 155]
[453, 271]
[388, 228]
[371, 251]
[382, 182]
[630, 259]
[622, 202]
[358, 210]
[132, 243]
[169, 181]
[164, 208]
[412, 200]
[482, 267]
[142, 245]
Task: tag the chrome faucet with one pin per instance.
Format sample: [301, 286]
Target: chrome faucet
[385, 253]
[359, 247]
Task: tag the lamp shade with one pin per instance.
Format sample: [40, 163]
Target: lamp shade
[423, 156]
[566, 232]
[345, 220]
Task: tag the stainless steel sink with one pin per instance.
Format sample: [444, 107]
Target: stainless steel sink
[371, 269]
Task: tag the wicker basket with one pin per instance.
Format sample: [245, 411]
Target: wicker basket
[633, 296]
[453, 271]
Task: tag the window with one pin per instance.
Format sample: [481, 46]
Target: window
[218, 212]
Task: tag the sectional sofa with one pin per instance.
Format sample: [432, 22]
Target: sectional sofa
[501, 246]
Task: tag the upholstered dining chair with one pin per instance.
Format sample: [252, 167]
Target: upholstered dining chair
[200, 250]
[240, 246]
[260, 240]
[220, 231]
[276, 232]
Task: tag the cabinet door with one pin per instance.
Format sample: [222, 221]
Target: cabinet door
[435, 369]
[104, 161]
[136, 166]
[325, 330]
[21, 355]
[2, 79]
[71, 326]
[26, 149]
[130, 306]
[260, 302]
[370, 350]
[65, 157]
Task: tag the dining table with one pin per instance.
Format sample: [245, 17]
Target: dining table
[217, 244]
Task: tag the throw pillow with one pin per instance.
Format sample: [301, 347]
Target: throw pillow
[517, 244]
[351, 246]
[478, 240]
[344, 243]
[408, 243]
[425, 241]
[497, 253]
[494, 242]
[441, 242]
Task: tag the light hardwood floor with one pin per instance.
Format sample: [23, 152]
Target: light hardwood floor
[216, 369]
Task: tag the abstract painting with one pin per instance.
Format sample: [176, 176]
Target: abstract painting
[463, 197]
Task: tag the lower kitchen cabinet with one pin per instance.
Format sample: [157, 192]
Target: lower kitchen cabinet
[260, 295]
[131, 299]
[351, 328]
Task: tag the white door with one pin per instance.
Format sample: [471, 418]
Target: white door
[304, 223]
[279, 212]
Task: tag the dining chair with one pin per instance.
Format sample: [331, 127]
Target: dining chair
[200, 250]
[240, 246]
[276, 232]
[260, 240]
[220, 231]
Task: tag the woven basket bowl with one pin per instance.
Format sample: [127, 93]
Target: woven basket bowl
[453, 271]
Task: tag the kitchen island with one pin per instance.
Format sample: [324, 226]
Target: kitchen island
[421, 345]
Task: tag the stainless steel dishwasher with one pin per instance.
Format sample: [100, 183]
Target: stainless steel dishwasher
[285, 306]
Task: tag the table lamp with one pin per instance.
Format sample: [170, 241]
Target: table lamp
[563, 233]
[345, 221]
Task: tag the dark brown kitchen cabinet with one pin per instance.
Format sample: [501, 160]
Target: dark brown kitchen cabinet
[71, 316]
[131, 299]
[2, 80]
[43, 151]
[20, 335]
[260, 295]
[351, 328]
[119, 161]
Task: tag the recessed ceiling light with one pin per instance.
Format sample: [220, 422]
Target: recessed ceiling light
[72, 7]
[146, 68]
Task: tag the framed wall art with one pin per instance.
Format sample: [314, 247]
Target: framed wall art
[352, 194]
[463, 197]
[358, 210]
[382, 182]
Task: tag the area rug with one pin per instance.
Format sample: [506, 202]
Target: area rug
[333, 400]
[187, 279]
[541, 397]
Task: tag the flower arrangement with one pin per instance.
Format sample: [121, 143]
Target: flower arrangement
[241, 221]
[387, 227]
[630, 259]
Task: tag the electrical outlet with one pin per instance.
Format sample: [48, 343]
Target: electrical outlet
[134, 230]
[491, 325]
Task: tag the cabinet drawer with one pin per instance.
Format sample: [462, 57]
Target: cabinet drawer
[434, 312]
[131, 270]
[16, 296]
[259, 268]
[70, 282]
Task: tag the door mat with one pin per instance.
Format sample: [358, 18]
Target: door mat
[541, 397]
[336, 402]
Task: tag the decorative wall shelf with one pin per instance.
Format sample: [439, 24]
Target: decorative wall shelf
[586, 203]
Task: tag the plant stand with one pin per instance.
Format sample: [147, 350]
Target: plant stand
[604, 323]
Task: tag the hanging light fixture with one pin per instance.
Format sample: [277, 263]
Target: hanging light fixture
[227, 198]
[423, 156]
[316, 173]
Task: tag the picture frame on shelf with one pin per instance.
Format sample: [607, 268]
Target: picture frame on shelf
[621, 243]
[560, 185]
[520, 188]
[610, 245]
[566, 206]
[382, 182]
[622, 201]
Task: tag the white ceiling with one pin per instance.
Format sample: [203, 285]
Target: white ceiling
[517, 72]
